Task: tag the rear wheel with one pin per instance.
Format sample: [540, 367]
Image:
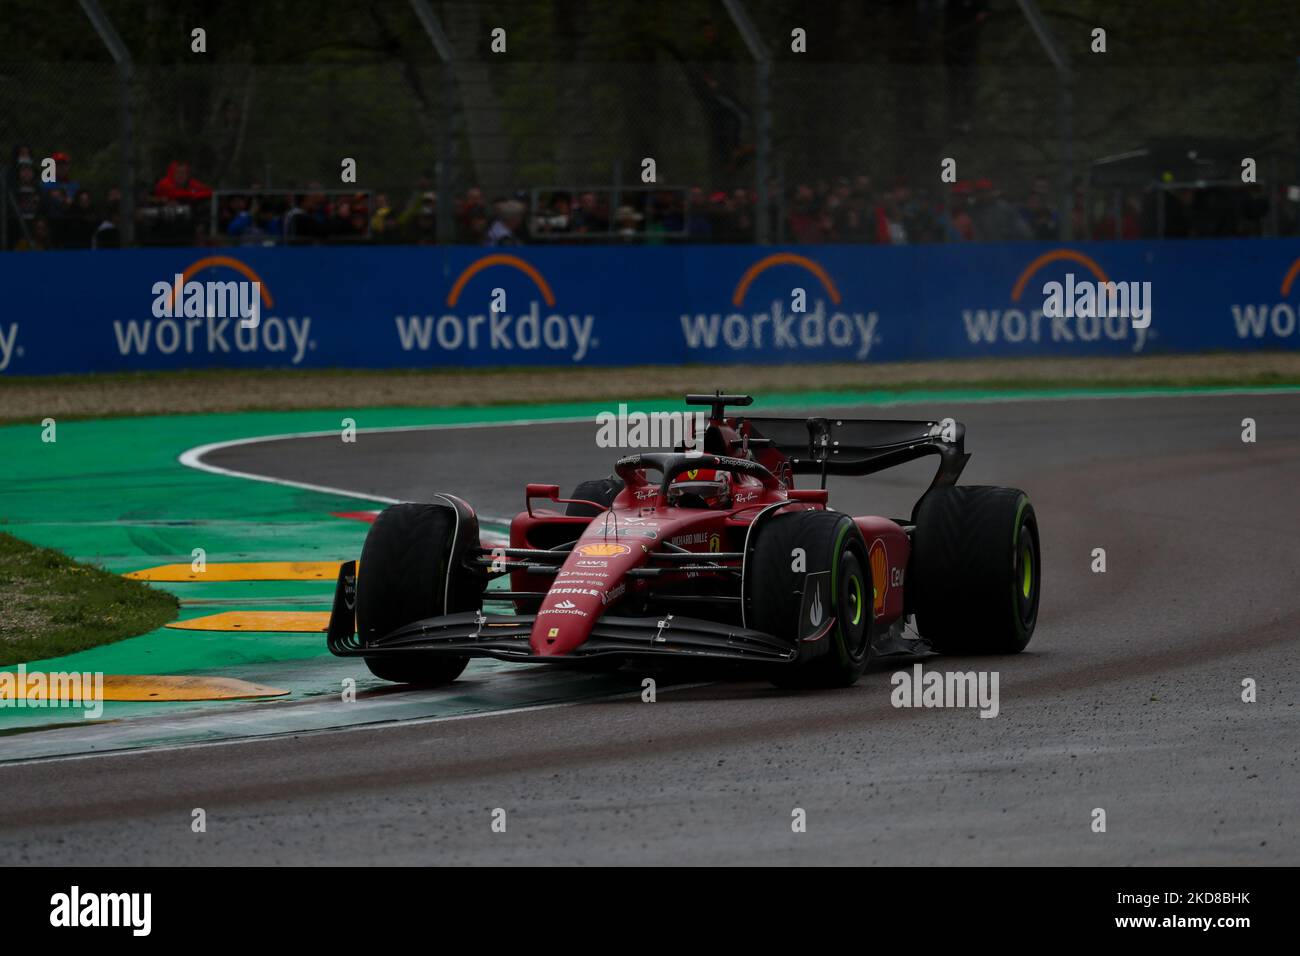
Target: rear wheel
[603, 491]
[810, 582]
[975, 572]
[410, 570]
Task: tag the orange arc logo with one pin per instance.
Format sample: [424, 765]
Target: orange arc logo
[500, 259]
[1290, 277]
[212, 262]
[783, 259]
[1055, 256]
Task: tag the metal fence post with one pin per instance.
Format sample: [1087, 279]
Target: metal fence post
[1065, 81]
[447, 148]
[125, 69]
[762, 109]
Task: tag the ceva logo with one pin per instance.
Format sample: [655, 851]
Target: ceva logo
[1026, 324]
[204, 318]
[780, 327]
[1263, 321]
[499, 329]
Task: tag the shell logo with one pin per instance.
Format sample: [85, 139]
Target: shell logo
[879, 562]
[603, 550]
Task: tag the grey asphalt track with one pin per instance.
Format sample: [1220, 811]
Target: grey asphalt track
[1129, 699]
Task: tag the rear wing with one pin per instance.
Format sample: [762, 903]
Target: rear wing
[846, 446]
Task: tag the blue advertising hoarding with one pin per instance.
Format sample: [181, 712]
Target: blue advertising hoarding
[411, 307]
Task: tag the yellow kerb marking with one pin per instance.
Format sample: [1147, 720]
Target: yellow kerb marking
[146, 687]
[301, 622]
[247, 571]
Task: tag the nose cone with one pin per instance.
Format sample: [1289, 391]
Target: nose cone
[579, 595]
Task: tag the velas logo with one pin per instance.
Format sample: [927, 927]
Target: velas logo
[224, 314]
[1022, 324]
[1264, 321]
[790, 323]
[496, 327]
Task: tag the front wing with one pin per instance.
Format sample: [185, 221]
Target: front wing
[506, 636]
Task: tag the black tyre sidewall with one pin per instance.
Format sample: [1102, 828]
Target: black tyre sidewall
[965, 585]
[408, 559]
[774, 594]
[601, 490]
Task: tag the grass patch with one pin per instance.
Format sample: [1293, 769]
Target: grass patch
[50, 605]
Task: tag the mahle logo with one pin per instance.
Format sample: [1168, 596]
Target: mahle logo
[214, 317]
[1019, 325]
[499, 329]
[786, 325]
[1263, 321]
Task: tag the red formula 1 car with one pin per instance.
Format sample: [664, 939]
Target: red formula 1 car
[705, 553]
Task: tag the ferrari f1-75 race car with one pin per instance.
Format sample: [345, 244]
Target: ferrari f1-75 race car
[706, 552]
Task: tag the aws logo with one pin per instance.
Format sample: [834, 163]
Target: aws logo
[1024, 324]
[498, 327]
[790, 322]
[220, 315]
[1265, 321]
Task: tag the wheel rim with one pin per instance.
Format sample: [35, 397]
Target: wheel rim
[853, 605]
[855, 599]
[1026, 574]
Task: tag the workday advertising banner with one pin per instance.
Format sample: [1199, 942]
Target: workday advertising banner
[392, 307]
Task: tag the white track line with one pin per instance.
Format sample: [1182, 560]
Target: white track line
[345, 728]
[193, 457]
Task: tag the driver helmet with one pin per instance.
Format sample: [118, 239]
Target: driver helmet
[701, 488]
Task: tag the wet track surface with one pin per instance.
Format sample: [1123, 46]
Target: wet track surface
[1128, 699]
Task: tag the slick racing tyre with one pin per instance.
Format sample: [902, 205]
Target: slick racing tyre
[601, 490]
[975, 572]
[809, 582]
[408, 572]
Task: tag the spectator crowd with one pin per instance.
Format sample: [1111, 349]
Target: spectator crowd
[56, 212]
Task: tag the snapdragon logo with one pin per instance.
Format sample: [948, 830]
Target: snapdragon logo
[214, 317]
[9, 347]
[36, 690]
[1263, 321]
[75, 908]
[500, 331]
[946, 689]
[1019, 326]
[776, 329]
[624, 429]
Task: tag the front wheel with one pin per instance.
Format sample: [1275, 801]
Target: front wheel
[811, 583]
[411, 569]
